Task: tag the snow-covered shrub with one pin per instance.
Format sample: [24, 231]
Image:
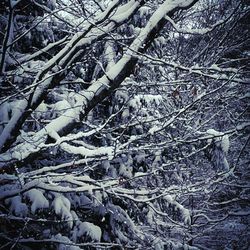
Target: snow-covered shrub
[86, 231]
[17, 206]
[219, 146]
[62, 207]
[37, 199]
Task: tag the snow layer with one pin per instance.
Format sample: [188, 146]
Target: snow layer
[221, 139]
[87, 230]
[62, 207]
[17, 206]
[37, 199]
[185, 214]
[65, 239]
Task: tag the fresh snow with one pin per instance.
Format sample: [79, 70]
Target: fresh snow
[37, 199]
[184, 212]
[144, 11]
[221, 139]
[225, 143]
[86, 152]
[125, 11]
[13, 121]
[154, 129]
[62, 207]
[63, 239]
[17, 206]
[148, 99]
[87, 229]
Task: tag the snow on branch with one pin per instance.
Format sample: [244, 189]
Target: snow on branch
[38, 184]
[99, 89]
[59, 61]
[194, 31]
[202, 71]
